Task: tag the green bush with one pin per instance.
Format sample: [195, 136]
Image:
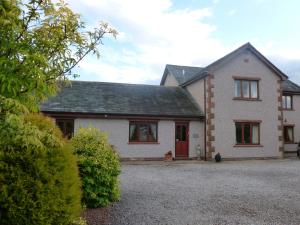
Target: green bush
[39, 181]
[99, 167]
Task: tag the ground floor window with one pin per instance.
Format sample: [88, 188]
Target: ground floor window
[288, 134]
[247, 133]
[142, 131]
[66, 126]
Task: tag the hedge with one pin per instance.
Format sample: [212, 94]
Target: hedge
[39, 181]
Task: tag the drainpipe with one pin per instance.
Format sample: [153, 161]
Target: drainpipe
[205, 119]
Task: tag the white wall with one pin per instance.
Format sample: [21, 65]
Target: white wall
[170, 81]
[118, 133]
[293, 117]
[226, 109]
[196, 89]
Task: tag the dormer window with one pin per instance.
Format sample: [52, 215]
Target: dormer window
[287, 102]
[246, 89]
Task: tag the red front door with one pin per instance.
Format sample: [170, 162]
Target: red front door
[182, 140]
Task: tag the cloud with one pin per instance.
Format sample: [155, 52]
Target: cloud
[231, 12]
[152, 34]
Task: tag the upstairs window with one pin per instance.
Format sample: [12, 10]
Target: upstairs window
[66, 126]
[246, 89]
[287, 102]
[143, 131]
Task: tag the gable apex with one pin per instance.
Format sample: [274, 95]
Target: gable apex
[246, 47]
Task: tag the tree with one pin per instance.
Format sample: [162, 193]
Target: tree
[40, 44]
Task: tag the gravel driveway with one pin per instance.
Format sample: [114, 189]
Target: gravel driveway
[243, 192]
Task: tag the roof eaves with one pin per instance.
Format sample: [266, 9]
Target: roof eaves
[204, 73]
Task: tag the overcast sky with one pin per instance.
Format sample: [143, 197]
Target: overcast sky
[154, 33]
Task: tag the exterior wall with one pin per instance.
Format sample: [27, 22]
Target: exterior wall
[170, 81]
[292, 117]
[196, 89]
[226, 110]
[196, 138]
[118, 133]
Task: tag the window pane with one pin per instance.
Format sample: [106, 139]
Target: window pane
[143, 132]
[152, 132]
[288, 134]
[237, 88]
[245, 89]
[238, 133]
[283, 102]
[133, 132]
[178, 133]
[247, 133]
[288, 102]
[255, 137]
[183, 135]
[254, 89]
[69, 129]
[61, 126]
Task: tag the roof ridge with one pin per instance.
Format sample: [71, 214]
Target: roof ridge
[184, 66]
[116, 83]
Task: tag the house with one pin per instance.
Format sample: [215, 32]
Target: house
[241, 106]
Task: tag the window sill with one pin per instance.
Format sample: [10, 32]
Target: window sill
[238, 146]
[288, 109]
[142, 142]
[247, 99]
[290, 143]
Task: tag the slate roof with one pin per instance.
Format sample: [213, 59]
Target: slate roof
[291, 87]
[183, 73]
[123, 99]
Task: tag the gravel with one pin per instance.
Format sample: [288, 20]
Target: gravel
[244, 192]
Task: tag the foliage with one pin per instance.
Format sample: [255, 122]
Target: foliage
[99, 167]
[39, 181]
[40, 44]
[79, 221]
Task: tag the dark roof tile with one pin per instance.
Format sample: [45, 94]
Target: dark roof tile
[122, 99]
[183, 73]
[291, 87]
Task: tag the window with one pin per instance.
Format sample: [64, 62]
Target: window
[287, 102]
[288, 134]
[247, 89]
[143, 132]
[247, 133]
[66, 126]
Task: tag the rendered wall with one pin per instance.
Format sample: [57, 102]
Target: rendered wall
[118, 133]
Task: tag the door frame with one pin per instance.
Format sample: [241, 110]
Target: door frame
[187, 137]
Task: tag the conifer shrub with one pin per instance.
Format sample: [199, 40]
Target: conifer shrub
[99, 167]
[39, 181]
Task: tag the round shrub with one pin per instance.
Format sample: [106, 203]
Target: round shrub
[39, 181]
[99, 167]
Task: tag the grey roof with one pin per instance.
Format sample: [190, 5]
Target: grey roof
[291, 87]
[123, 99]
[183, 73]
